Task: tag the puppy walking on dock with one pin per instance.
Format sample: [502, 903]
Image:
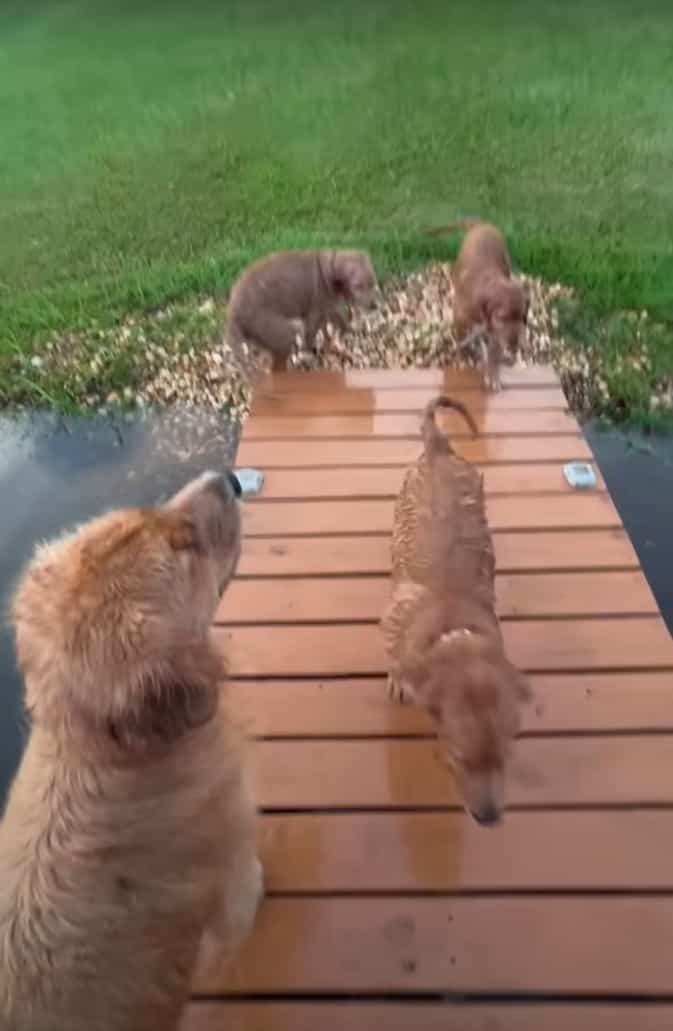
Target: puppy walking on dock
[443, 640]
[489, 302]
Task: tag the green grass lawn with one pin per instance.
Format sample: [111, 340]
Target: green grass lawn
[149, 148]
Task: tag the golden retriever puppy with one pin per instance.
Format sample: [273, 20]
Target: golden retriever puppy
[283, 294]
[442, 637]
[130, 827]
[488, 301]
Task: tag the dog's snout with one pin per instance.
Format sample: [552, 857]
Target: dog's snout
[487, 815]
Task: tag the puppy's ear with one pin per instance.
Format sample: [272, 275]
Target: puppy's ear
[329, 263]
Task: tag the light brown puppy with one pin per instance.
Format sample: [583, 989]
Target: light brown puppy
[130, 826]
[284, 294]
[443, 640]
[488, 300]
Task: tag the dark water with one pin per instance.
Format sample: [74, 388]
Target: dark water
[54, 473]
[638, 471]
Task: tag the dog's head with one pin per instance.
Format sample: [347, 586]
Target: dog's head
[474, 695]
[354, 278]
[112, 620]
[505, 311]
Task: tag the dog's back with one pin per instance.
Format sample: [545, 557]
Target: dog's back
[283, 282]
[483, 250]
[268, 296]
[102, 905]
[440, 537]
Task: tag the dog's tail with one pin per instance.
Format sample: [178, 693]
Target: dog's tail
[433, 439]
[462, 225]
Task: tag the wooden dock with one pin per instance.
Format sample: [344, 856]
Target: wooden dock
[387, 907]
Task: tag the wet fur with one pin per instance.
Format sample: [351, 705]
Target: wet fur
[127, 845]
[291, 293]
[487, 298]
[443, 640]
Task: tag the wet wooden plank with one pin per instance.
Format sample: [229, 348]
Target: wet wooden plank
[364, 598]
[563, 703]
[544, 512]
[607, 850]
[543, 646]
[346, 482]
[515, 552]
[362, 400]
[378, 774]
[271, 454]
[488, 421]
[327, 381]
[401, 1015]
[575, 945]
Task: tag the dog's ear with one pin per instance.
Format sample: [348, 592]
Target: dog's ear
[347, 270]
[165, 705]
[331, 271]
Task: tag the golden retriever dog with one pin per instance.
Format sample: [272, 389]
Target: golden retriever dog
[128, 840]
[489, 303]
[282, 295]
[443, 640]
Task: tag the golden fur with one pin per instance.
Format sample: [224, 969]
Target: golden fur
[129, 829]
[442, 637]
[278, 296]
[487, 298]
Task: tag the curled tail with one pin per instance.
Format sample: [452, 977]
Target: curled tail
[462, 225]
[433, 439]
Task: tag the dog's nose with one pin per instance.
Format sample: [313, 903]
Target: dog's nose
[222, 484]
[488, 816]
[235, 483]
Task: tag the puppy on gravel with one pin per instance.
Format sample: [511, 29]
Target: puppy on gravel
[128, 841]
[443, 640]
[488, 301]
[283, 295]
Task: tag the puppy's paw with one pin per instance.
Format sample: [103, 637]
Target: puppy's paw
[398, 691]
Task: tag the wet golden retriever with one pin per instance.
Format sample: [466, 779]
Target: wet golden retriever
[443, 640]
[283, 295]
[128, 841]
[488, 302]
